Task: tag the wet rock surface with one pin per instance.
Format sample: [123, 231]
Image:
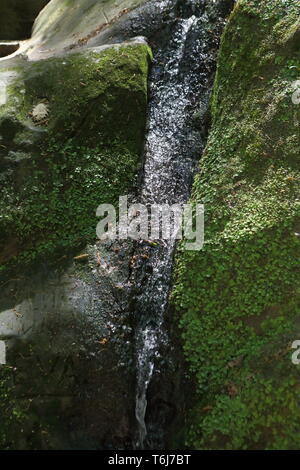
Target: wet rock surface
[68, 340]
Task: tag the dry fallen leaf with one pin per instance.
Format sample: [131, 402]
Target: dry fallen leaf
[232, 389]
[81, 257]
[103, 341]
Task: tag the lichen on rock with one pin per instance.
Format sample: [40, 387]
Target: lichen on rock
[87, 154]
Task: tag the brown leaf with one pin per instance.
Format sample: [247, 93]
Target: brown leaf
[103, 341]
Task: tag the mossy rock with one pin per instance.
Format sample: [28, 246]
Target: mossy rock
[17, 17]
[72, 131]
[238, 299]
[57, 167]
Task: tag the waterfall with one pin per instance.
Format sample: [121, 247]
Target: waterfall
[180, 83]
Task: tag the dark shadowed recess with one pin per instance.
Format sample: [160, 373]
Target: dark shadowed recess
[17, 17]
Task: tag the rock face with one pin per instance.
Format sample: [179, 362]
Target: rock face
[238, 299]
[69, 380]
[72, 121]
[71, 134]
[70, 139]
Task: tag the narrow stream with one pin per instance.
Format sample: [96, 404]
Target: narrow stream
[180, 84]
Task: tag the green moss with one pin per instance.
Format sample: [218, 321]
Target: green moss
[17, 17]
[87, 152]
[88, 95]
[238, 299]
[13, 415]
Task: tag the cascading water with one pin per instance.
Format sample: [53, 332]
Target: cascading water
[166, 180]
[179, 89]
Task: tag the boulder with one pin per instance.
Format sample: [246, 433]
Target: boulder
[238, 300]
[72, 125]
